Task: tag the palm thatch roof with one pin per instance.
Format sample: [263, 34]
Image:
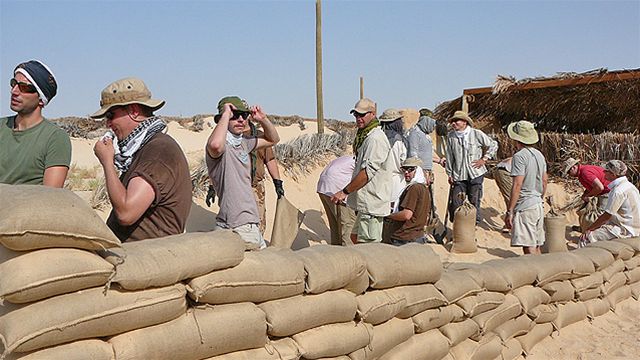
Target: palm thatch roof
[592, 102]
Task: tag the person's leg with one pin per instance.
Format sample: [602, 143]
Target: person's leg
[251, 235]
[369, 228]
[330, 209]
[475, 194]
[258, 191]
[347, 219]
[525, 231]
[604, 233]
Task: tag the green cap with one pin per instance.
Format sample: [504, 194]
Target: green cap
[240, 104]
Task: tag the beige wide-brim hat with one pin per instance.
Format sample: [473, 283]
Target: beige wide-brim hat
[412, 161]
[523, 131]
[410, 118]
[462, 116]
[126, 91]
[568, 164]
[390, 115]
[364, 106]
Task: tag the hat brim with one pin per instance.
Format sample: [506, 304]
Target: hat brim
[153, 104]
[388, 119]
[467, 119]
[523, 139]
[568, 167]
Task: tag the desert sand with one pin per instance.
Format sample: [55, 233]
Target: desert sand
[611, 336]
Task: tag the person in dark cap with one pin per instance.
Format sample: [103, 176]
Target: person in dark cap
[229, 165]
[145, 170]
[32, 149]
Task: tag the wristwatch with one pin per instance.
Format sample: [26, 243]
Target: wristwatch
[344, 190]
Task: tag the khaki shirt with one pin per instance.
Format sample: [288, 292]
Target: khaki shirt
[459, 159]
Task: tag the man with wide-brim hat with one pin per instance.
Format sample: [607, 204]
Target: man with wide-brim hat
[146, 173]
[525, 214]
[467, 152]
[591, 177]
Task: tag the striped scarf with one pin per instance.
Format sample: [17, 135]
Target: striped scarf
[362, 134]
[128, 147]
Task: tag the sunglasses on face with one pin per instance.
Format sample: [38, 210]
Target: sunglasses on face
[109, 115]
[409, 169]
[237, 114]
[359, 115]
[23, 86]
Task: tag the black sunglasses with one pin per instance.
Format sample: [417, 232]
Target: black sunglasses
[237, 114]
[359, 115]
[111, 113]
[23, 86]
[409, 168]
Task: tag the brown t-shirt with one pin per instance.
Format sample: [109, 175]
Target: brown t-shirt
[163, 165]
[416, 198]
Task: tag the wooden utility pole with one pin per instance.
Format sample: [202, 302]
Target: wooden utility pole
[361, 87]
[319, 110]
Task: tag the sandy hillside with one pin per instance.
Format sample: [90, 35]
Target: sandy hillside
[612, 336]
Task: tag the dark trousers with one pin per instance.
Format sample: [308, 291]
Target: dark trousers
[471, 189]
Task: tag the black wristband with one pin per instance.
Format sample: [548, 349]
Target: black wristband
[344, 190]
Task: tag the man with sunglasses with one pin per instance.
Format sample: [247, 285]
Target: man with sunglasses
[32, 149]
[152, 195]
[229, 164]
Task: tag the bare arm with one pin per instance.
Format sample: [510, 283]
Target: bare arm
[271, 136]
[402, 215]
[272, 167]
[601, 220]
[55, 176]
[218, 137]
[360, 180]
[597, 188]
[545, 181]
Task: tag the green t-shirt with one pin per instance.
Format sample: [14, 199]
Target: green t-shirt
[24, 155]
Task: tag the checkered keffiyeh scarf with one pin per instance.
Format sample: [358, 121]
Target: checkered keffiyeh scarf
[128, 147]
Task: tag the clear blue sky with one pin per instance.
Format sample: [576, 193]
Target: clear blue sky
[410, 53]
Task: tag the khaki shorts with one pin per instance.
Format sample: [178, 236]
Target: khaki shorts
[528, 227]
[368, 228]
[251, 235]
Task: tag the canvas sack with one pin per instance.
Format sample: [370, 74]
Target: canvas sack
[457, 332]
[464, 229]
[261, 276]
[511, 350]
[514, 327]
[633, 276]
[303, 312]
[554, 234]
[482, 302]
[391, 266]
[551, 267]
[171, 259]
[286, 224]
[40, 274]
[378, 306]
[592, 281]
[601, 258]
[435, 318]
[633, 242]
[488, 278]
[559, 291]
[333, 339]
[198, 334]
[617, 249]
[616, 267]
[618, 295]
[569, 313]
[635, 290]
[431, 345]
[543, 313]
[418, 299]
[491, 319]
[597, 307]
[616, 281]
[93, 349]
[283, 349]
[455, 285]
[331, 267]
[537, 334]
[89, 314]
[589, 214]
[516, 271]
[385, 337]
[29, 220]
[531, 296]
[487, 348]
[632, 263]
[587, 294]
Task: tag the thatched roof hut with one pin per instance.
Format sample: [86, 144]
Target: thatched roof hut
[590, 102]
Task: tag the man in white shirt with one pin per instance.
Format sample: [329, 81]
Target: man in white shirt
[621, 217]
[341, 217]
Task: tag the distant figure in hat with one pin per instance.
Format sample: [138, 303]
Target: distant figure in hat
[229, 164]
[621, 217]
[341, 218]
[525, 214]
[370, 186]
[145, 170]
[592, 178]
[32, 149]
[468, 150]
[414, 209]
[392, 126]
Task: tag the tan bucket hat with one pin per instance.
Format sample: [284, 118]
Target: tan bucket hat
[462, 116]
[364, 106]
[390, 115]
[523, 131]
[126, 91]
[412, 161]
[568, 164]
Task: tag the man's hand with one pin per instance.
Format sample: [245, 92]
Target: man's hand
[257, 114]
[584, 238]
[478, 163]
[104, 151]
[338, 198]
[508, 220]
[211, 196]
[450, 180]
[279, 189]
[585, 198]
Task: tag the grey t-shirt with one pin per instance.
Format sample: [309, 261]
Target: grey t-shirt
[230, 175]
[531, 163]
[420, 145]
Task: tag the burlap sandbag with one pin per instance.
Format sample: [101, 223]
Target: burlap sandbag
[588, 294]
[488, 278]
[618, 249]
[633, 242]
[286, 224]
[601, 258]
[378, 306]
[333, 339]
[482, 302]
[488, 348]
[455, 285]
[331, 267]
[616, 267]
[491, 319]
[385, 337]
[431, 345]
[7, 254]
[198, 334]
[559, 291]
[283, 349]
[391, 266]
[635, 290]
[616, 282]
[589, 214]
[435, 318]
[516, 271]
[418, 298]
[89, 314]
[44, 273]
[31, 217]
[511, 350]
[551, 267]
[618, 295]
[632, 263]
[262, 276]
[569, 313]
[582, 265]
[531, 296]
[592, 281]
[303, 312]
[597, 307]
[554, 234]
[537, 334]
[456, 332]
[464, 229]
[93, 349]
[514, 327]
[543, 313]
[171, 259]
[633, 276]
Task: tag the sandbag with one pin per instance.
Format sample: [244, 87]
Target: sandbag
[482, 302]
[89, 314]
[559, 291]
[582, 265]
[455, 285]
[391, 266]
[459, 331]
[597, 307]
[464, 229]
[435, 318]
[635, 290]
[531, 296]
[601, 258]
[385, 337]
[333, 339]
[488, 348]
[93, 349]
[418, 298]
[198, 334]
[331, 267]
[616, 281]
[488, 278]
[283, 349]
[589, 214]
[592, 281]
[632, 263]
[491, 319]
[633, 242]
[171, 259]
[431, 345]
[618, 295]
[616, 267]
[378, 306]
[551, 267]
[40, 274]
[262, 276]
[514, 327]
[543, 313]
[633, 276]
[8, 254]
[554, 234]
[511, 350]
[516, 271]
[588, 294]
[618, 249]
[303, 312]
[359, 285]
[569, 313]
[537, 334]
[25, 224]
[286, 224]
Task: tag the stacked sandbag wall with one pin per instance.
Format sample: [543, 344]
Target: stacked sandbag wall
[200, 296]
